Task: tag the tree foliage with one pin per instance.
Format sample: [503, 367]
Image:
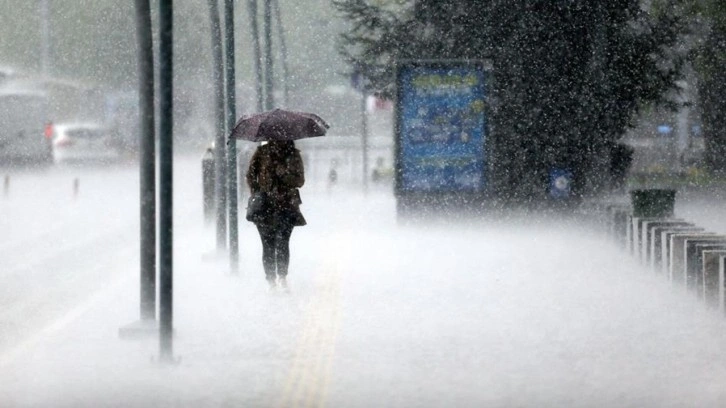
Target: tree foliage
[709, 56]
[569, 75]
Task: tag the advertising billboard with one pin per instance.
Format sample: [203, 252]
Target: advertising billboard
[441, 127]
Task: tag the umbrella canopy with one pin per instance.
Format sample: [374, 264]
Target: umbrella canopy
[279, 124]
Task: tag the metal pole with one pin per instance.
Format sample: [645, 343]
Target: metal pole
[165, 179]
[283, 52]
[267, 14]
[252, 10]
[232, 145]
[364, 139]
[147, 161]
[45, 38]
[220, 185]
[45, 50]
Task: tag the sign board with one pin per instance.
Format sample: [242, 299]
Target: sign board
[560, 183]
[441, 127]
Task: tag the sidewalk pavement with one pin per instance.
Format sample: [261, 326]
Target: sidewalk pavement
[524, 312]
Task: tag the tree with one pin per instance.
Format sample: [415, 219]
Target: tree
[710, 67]
[569, 76]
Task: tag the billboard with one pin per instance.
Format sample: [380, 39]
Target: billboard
[441, 127]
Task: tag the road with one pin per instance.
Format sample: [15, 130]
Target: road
[525, 311]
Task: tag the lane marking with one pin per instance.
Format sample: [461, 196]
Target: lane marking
[10, 356]
[310, 372]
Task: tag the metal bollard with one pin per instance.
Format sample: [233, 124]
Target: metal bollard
[76, 186]
[710, 271]
[208, 184]
[6, 185]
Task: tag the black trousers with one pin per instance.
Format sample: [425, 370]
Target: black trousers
[275, 249]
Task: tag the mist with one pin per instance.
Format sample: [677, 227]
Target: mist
[513, 309]
[526, 302]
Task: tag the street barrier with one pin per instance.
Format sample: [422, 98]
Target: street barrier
[659, 237]
[639, 239]
[712, 276]
[710, 271]
[677, 252]
[694, 260]
[685, 254]
[613, 217]
[648, 236]
[666, 247]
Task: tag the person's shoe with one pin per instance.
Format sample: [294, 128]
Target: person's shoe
[273, 285]
[282, 282]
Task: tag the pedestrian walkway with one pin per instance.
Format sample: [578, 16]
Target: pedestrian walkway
[526, 312]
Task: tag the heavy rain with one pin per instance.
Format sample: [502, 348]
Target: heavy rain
[495, 203]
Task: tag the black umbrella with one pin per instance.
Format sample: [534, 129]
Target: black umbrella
[279, 124]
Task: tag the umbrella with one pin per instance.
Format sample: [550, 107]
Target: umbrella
[279, 124]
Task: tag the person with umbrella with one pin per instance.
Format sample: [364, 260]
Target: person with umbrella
[274, 176]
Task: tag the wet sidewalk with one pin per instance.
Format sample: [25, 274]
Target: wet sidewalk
[528, 312]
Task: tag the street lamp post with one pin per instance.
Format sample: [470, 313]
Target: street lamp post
[283, 53]
[269, 97]
[165, 181]
[147, 325]
[252, 11]
[147, 161]
[364, 138]
[220, 163]
[231, 145]
[45, 37]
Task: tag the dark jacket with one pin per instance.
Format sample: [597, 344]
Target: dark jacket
[279, 174]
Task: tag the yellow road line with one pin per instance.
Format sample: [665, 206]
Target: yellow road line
[309, 375]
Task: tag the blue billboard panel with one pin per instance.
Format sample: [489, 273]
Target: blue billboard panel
[441, 127]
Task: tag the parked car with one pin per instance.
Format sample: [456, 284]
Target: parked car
[83, 143]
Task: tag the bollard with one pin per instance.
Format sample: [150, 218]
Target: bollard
[6, 185]
[208, 185]
[661, 242]
[629, 232]
[665, 246]
[76, 185]
[638, 234]
[653, 253]
[333, 174]
[694, 260]
[646, 235]
[710, 272]
[612, 217]
[620, 226]
[677, 254]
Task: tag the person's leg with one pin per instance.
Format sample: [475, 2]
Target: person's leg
[282, 248]
[267, 236]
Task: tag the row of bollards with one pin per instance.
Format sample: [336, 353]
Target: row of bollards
[686, 255]
[76, 186]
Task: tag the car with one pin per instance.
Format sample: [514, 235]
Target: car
[83, 143]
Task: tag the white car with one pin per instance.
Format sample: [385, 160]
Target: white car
[83, 143]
